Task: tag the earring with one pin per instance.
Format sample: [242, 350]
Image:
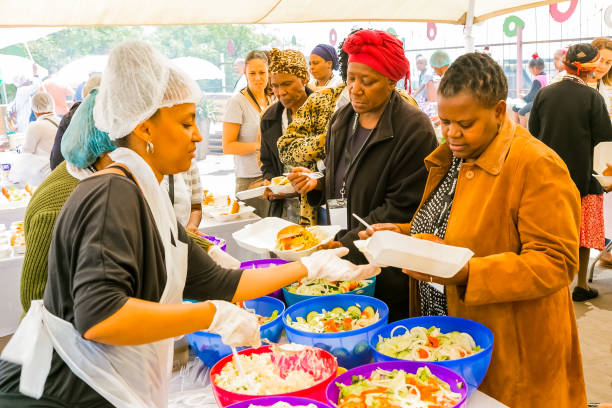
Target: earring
[150, 148]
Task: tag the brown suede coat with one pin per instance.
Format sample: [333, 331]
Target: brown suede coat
[517, 208]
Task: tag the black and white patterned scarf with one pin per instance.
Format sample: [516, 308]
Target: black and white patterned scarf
[432, 218]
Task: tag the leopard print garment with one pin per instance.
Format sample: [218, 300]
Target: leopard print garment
[304, 142]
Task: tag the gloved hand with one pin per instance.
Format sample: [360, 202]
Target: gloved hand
[222, 258]
[237, 327]
[327, 264]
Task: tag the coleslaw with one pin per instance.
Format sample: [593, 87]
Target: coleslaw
[336, 320]
[320, 287]
[421, 344]
[398, 389]
[273, 373]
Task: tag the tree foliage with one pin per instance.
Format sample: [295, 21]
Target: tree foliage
[209, 42]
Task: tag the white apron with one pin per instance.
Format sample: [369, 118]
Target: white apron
[126, 376]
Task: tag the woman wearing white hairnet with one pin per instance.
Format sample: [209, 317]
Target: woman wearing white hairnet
[119, 265]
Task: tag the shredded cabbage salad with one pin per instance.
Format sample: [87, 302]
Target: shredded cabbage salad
[398, 389]
[336, 320]
[283, 404]
[320, 287]
[273, 373]
[421, 344]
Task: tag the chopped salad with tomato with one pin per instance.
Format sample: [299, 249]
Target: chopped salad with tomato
[336, 320]
[387, 389]
[421, 344]
[320, 287]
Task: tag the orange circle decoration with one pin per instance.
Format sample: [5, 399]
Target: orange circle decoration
[432, 31]
[333, 37]
[559, 16]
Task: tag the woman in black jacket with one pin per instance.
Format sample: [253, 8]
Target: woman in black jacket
[572, 119]
[375, 153]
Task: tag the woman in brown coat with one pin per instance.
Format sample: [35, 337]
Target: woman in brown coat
[497, 190]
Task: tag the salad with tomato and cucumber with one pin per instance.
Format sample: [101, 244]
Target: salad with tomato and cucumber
[336, 320]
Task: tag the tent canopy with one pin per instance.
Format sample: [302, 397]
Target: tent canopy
[45, 13]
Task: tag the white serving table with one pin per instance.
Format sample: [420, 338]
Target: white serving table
[210, 226]
[10, 274]
[12, 212]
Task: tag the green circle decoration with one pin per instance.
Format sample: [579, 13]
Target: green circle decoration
[515, 22]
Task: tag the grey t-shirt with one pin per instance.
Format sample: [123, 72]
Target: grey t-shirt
[241, 111]
[106, 249]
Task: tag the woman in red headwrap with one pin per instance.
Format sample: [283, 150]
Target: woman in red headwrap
[375, 151]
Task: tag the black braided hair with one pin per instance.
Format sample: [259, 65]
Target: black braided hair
[478, 74]
[343, 56]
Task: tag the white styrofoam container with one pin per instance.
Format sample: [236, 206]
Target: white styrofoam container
[605, 181]
[260, 237]
[602, 154]
[259, 191]
[402, 251]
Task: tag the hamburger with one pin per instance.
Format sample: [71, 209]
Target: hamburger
[295, 238]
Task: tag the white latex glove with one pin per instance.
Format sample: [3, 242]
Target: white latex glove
[327, 264]
[223, 258]
[237, 327]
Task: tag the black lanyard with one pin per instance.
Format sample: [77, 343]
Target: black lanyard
[349, 159]
[254, 99]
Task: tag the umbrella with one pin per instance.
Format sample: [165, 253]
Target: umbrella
[13, 67]
[12, 36]
[198, 68]
[78, 70]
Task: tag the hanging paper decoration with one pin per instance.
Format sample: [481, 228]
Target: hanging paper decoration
[560, 17]
[515, 22]
[392, 31]
[608, 16]
[293, 41]
[333, 37]
[230, 48]
[432, 31]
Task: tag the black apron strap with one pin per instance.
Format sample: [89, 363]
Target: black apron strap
[124, 171]
[171, 187]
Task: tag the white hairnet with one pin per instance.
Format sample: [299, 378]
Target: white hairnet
[137, 81]
[42, 102]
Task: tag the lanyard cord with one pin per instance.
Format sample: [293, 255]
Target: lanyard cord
[254, 99]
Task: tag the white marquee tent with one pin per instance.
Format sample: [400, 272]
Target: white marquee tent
[63, 13]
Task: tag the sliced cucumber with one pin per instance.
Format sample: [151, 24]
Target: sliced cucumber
[337, 310]
[354, 312]
[310, 317]
[369, 311]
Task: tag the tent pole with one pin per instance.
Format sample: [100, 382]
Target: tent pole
[469, 23]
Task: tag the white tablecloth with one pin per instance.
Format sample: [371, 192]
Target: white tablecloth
[224, 230]
[10, 305]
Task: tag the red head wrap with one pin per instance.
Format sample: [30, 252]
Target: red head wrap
[380, 51]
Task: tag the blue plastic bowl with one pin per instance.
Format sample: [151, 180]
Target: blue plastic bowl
[209, 347]
[472, 368]
[292, 298]
[351, 348]
[265, 263]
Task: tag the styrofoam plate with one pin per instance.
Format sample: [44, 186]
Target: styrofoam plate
[402, 251]
[223, 216]
[260, 237]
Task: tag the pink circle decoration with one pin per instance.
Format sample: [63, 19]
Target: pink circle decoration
[333, 37]
[559, 16]
[432, 31]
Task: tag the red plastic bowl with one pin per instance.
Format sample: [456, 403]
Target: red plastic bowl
[316, 392]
